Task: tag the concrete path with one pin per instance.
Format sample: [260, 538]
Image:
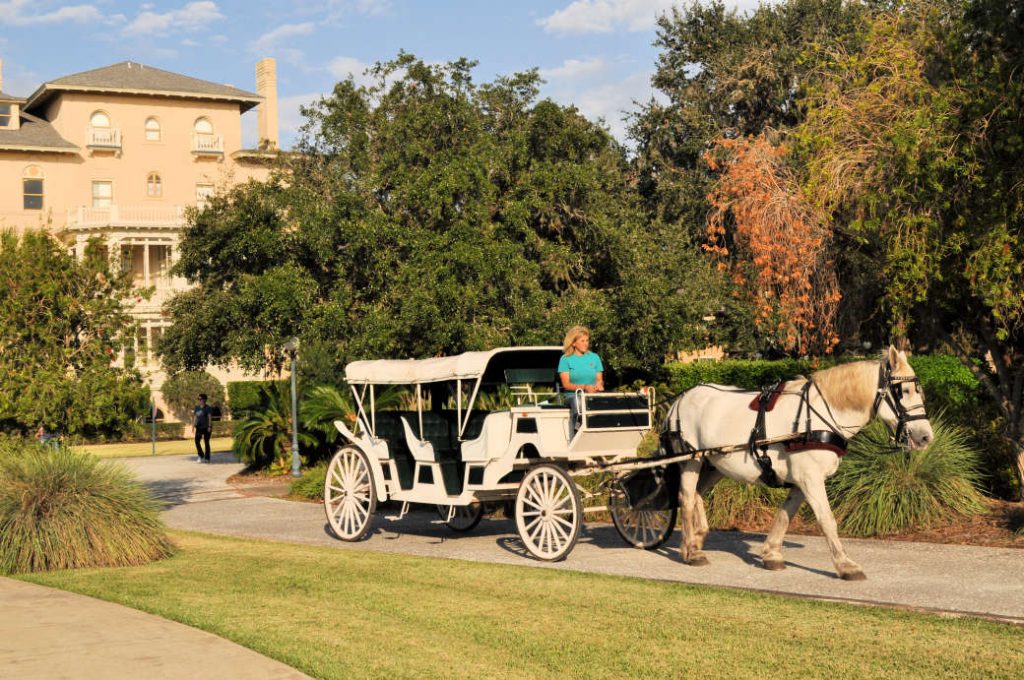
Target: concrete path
[48, 634]
[944, 578]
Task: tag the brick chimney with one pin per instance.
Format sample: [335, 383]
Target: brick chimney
[266, 87]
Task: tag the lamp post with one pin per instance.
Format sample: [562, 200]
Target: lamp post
[292, 348]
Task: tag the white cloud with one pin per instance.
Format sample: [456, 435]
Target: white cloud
[193, 16]
[343, 67]
[609, 100]
[269, 40]
[575, 69]
[14, 13]
[289, 118]
[604, 16]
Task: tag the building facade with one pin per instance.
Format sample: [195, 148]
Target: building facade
[118, 153]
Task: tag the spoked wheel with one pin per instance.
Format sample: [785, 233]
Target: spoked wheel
[548, 513]
[465, 518]
[350, 498]
[644, 529]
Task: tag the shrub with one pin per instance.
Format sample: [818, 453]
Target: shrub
[181, 389]
[65, 510]
[311, 484]
[748, 374]
[248, 396]
[881, 488]
[734, 505]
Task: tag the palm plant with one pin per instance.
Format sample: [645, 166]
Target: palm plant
[263, 437]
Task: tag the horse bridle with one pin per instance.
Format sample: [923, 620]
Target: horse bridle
[890, 389]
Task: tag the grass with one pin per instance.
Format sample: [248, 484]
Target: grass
[174, 447]
[311, 484]
[883, 489]
[63, 509]
[357, 614]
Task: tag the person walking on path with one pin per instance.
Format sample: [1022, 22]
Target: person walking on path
[202, 423]
[579, 369]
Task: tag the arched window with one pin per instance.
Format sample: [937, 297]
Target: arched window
[99, 119]
[152, 130]
[203, 126]
[32, 188]
[154, 186]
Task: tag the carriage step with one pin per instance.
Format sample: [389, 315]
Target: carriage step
[401, 513]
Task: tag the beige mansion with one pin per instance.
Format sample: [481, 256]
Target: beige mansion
[119, 153]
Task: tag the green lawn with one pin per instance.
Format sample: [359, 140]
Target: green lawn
[356, 614]
[174, 447]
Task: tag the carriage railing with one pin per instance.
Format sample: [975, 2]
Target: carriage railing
[606, 411]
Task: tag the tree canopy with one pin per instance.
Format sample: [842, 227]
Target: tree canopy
[426, 215]
[62, 324]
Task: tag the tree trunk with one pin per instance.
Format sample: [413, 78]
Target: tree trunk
[1018, 450]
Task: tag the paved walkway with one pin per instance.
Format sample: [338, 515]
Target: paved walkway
[48, 634]
[944, 578]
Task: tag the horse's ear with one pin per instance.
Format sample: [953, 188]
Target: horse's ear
[893, 356]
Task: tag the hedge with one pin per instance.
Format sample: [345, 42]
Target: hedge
[749, 374]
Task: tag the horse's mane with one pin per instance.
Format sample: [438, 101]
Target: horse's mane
[848, 386]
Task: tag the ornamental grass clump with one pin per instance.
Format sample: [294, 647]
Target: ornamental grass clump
[65, 510]
[311, 484]
[881, 488]
[734, 505]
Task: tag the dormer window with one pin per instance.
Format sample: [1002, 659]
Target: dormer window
[7, 113]
[152, 130]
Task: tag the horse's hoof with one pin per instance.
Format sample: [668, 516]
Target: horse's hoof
[698, 561]
[774, 565]
[853, 576]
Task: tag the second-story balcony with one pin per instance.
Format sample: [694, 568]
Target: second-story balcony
[207, 145]
[103, 138]
[126, 216]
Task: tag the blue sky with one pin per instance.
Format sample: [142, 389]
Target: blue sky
[595, 54]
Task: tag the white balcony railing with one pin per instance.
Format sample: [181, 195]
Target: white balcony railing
[207, 144]
[84, 217]
[104, 138]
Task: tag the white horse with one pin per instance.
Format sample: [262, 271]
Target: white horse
[832, 407]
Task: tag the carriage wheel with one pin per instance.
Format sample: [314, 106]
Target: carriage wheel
[644, 529]
[350, 498]
[466, 517]
[548, 513]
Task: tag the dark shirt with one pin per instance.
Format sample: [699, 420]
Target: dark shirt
[201, 417]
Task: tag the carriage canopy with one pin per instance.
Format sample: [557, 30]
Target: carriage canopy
[493, 366]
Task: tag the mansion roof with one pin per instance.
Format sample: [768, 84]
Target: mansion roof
[34, 134]
[133, 78]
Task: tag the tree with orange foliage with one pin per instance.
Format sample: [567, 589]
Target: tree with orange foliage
[774, 243]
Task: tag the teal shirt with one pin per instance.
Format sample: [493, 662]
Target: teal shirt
[582, 368]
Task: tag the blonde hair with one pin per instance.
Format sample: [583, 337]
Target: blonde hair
[571, 337]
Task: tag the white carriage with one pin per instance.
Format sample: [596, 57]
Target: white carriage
[447, 449]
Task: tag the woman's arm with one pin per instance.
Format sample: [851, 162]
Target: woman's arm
[569, 387]
[599, 384]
